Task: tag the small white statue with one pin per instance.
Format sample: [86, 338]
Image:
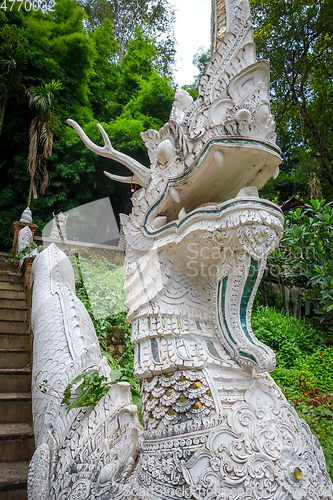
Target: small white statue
[26, 216]
[58, 231]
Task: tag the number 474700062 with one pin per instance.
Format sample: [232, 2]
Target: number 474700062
[43, 5]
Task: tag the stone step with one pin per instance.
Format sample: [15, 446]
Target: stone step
[16, 494]
[14, 341]
[12, 276]
[6, 255]
[4, 264]
[13, 303]
[15, 407]
[12, 294]
[13, 480]
[14, 327]
[14, 358]
[13, 314]
[16, 442]
[10, 271]
[10, 285]
[12, 380]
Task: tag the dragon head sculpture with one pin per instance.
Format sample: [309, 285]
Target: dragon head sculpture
[216, 425]
[201, 190]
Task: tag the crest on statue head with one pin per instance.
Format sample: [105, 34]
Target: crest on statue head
[58, 231]
[228, 132]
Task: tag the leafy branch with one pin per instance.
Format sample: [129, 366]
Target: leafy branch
[91, 390]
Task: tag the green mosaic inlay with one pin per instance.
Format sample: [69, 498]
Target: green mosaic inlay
[249, 285]
[247, 355]
[250, 282]
[221, 300]
[222, 288]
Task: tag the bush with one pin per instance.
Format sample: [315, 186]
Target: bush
[119, 373]
[305, 255]
[289, 337]
[104, 284]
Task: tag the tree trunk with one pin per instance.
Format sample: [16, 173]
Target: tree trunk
[315, 134]
[3, 109]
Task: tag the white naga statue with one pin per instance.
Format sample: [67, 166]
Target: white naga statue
[216, 426]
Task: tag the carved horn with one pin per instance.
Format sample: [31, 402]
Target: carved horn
[141, 174]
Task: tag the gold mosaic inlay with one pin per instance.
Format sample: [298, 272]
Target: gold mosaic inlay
[221, 21]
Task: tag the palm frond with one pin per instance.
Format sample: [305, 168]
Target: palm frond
[14, 60]
[45, 181]
[33, 146]
[48, 144]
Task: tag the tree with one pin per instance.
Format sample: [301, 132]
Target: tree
[12, 65]
[296, 36]
[305, 256]
[127, 97]
[41, 134]
[154, 17]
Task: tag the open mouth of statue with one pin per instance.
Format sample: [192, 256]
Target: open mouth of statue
[217, 177]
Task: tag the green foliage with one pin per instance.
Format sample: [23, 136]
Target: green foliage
[304, 370]
[155, 18]
[289, 337]
[119, 373]
[305, 255]
[43, 96]
[90, 391]
[296, 38]
[127, 94]
[26, 251]
[104, 284]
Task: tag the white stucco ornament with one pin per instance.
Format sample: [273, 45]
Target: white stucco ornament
[26, 216]
[24, 241]
[58, 230]
[216, 426]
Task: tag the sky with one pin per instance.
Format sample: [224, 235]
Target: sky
[192, 31]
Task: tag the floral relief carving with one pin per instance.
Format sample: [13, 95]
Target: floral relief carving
[261, 450]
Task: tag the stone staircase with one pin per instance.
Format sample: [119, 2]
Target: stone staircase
[16, 431]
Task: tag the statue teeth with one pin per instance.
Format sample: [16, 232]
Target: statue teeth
[160, 221]
[174, 194]
[182, 214]
[218, 156]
